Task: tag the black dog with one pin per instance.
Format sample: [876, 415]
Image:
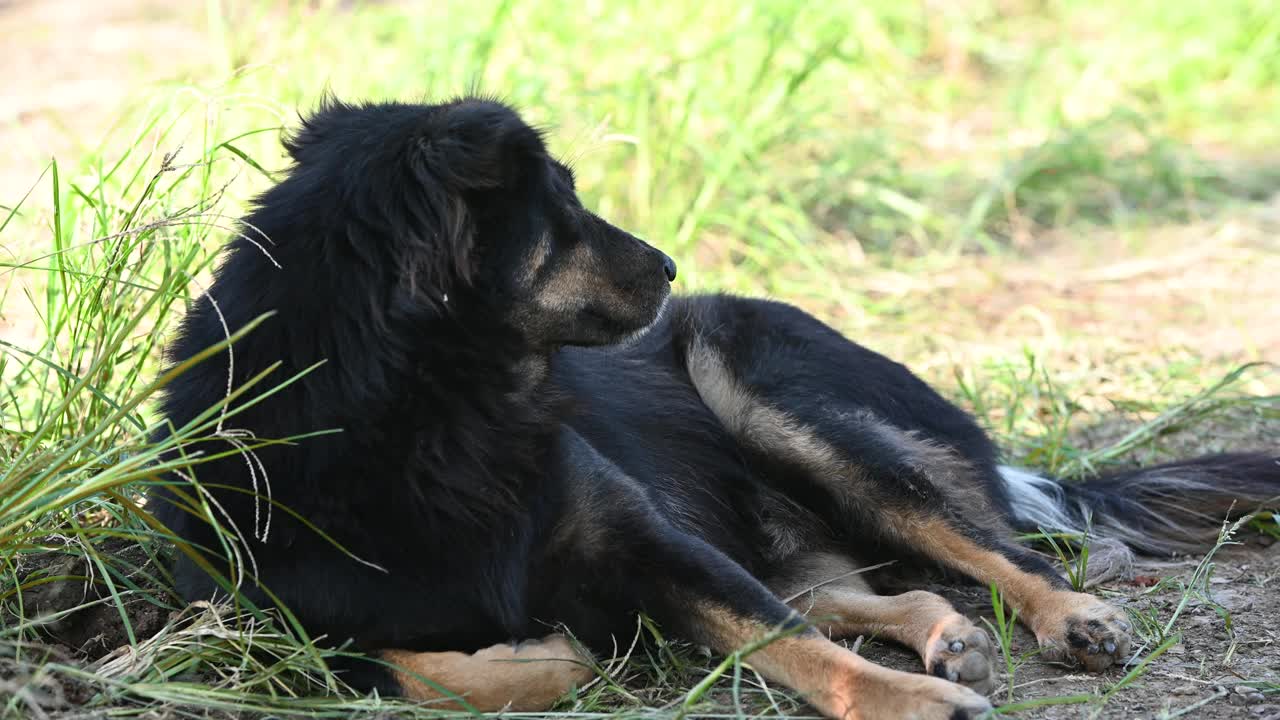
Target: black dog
[500, 469]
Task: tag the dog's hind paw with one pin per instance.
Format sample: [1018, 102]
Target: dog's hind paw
[1086, 630]
[961, 652]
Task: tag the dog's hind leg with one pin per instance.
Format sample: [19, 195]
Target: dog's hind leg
[877, 453]
[1067, 624]
[822, 587]
[638, 560]
[529, 677]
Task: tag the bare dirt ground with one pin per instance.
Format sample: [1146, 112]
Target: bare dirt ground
[68, 67]
[1218, 667]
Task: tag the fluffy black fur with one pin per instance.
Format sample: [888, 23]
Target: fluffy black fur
[498, 466]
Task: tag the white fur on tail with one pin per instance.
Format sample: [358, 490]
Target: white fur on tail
[1039, 501]
[1173, 508]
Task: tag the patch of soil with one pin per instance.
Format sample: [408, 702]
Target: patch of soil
[1227, 670]
[68, 67]
[77, 621]
[82, 621]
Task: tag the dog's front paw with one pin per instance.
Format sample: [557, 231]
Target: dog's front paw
[1082, 628]
[893, 695]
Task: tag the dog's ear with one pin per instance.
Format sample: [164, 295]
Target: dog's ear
[480, 145]
[406, 173]
[466, 146]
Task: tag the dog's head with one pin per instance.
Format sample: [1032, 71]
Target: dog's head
[478, 220]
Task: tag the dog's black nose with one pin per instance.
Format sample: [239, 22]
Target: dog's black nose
[669, 267]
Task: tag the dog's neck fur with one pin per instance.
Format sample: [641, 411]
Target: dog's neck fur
[476, 387]
[463, 369]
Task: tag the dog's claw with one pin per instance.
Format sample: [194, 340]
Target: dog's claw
[962, 653]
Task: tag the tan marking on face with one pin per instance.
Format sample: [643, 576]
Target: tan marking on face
[538, 256]
[575, 280]
[530, 678]
[567, 285]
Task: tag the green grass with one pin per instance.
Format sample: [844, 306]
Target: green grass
[1002, 630]
[868, 161]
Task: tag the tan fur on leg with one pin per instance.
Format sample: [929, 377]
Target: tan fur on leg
[530, 677]
[1066, 623]
[843, 605]
[836, 681]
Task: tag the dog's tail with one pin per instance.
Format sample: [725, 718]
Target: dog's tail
[1163, 510]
